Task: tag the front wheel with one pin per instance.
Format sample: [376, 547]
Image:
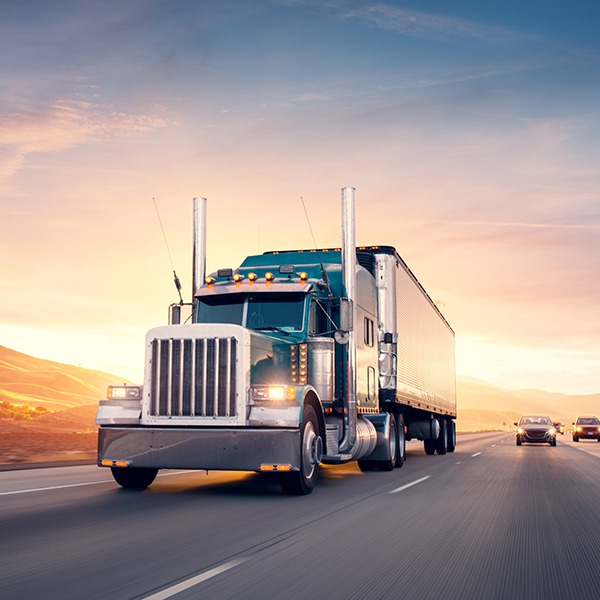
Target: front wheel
[135, 478]
[519, 441]
[302, 482]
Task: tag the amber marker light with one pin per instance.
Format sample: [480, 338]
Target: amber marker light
[209, 280]
[237, 277]
[303, 276]
[265, 467]
[252, 277]
[269, 276]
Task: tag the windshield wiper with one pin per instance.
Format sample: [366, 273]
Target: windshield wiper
[271, 328]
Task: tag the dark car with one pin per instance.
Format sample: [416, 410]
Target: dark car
[536, 430]
[586, 428]
[560, 428]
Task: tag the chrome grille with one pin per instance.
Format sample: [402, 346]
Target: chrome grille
[193, 377]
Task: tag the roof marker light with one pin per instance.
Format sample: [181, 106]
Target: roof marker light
[252, 276]
[303, 276]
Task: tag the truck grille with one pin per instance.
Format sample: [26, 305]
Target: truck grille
[193, 377]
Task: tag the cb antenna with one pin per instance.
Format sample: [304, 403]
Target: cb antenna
[323, 272]
[175, 278]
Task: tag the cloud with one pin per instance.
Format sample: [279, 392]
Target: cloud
[424, 25]
[63, 124]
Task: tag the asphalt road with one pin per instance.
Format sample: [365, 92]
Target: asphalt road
[490, 521]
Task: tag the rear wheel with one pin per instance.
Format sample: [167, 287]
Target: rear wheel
[400, 443]
[135, 478]
[429, 446]
[441, 444]
[303, 481]
[392, 450]
[451, 432]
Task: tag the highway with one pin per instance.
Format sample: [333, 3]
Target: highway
[490, 521]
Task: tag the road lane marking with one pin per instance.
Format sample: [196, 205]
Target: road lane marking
[408, 485]
[476, 454]
[188, 583]
[70, 485]
[54, 487]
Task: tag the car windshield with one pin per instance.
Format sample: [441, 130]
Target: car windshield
[283, 312]
[588, 421]
[535, 421]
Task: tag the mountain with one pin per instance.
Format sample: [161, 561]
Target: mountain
[56, 406]
[482, 406]
[36, 382]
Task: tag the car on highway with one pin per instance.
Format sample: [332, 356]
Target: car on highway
[535, 430]
[560, 428]
[586, 428]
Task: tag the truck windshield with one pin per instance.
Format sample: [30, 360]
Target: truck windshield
[259, 311]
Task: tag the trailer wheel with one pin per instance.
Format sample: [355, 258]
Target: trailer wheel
[441, 444]
[451, 433]
[303, 481]
[429, 446]
[134, 478]
[400, 442]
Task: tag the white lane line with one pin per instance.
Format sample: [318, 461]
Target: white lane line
[54, 487]
[476, 454]
[70, 485]
[408, 485]
[186, 585]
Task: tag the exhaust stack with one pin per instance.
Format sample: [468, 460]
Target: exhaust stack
[199, 250]
[349, 285]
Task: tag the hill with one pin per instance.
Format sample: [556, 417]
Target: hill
[36, 382]
[47, 409]
[482, 406]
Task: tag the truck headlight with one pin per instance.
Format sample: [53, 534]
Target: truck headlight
[273, 392]
[124, 392]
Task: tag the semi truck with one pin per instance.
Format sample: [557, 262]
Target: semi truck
[295, 359]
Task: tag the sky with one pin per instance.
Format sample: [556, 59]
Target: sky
[470, 130]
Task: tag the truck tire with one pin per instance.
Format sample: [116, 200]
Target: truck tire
[400, 442]
[384, 465]
[302, 482]
[451, 432]
[429, 446]
[441, 444]
[134, 478]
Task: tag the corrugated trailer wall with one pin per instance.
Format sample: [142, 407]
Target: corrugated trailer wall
[424, 360]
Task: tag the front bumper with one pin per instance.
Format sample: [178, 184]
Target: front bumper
[200, 448]
[536, 437]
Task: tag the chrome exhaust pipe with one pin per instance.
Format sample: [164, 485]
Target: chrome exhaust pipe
[199, 246]
[349, 288]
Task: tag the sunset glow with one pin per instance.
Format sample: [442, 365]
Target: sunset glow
[471, 136]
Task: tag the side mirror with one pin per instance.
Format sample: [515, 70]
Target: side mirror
[515, 424]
